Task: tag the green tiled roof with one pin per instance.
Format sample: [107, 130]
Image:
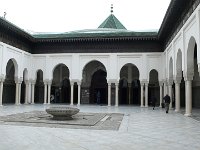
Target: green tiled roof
[110, 28]
[96, 33]
[112, 22]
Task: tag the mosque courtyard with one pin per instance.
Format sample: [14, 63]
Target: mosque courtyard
[139, 128]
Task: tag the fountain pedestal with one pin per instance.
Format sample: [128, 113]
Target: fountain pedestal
[62, 113]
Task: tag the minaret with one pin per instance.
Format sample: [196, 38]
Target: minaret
[111, 8]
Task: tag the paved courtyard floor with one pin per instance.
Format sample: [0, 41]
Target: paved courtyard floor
[140, 129]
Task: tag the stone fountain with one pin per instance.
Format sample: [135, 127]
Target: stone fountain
[62, 113]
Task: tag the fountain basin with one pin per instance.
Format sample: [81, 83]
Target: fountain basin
[62, 113]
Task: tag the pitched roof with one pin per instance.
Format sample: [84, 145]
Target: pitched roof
[112, 22]
[96, 33]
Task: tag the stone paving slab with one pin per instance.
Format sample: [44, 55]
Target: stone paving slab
[140, 129]
[195, 114]
[82, 120]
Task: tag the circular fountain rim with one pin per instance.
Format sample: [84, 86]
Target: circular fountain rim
[61, 112]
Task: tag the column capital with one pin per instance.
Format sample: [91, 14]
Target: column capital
[112, 80]
[2, 78]
[199, 68]
[188, 78]
[170, 81]
[18, 80]
[79, 83]
[72, 83]
[161, 83]
[109, 83]
[177, 79]
[27, 81]
[47, 81]
[165, 81]
[116, 83]
[75, 80]
[144, 82]
[33, 81]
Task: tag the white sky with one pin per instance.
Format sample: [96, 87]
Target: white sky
[69, 15]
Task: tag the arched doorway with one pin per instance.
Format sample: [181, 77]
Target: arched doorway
[192, 69]
[192, 86]
[94, 84]
[98, 88]
[171, 83]
[196, 82]
[179, 78]
[154, 89]
[61, 84]
[123, 92]
[129, 85]
[9, 86]
[39, 88]
[75, 96]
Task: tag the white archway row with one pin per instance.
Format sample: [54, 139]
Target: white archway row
[179, 59]
[75, 63]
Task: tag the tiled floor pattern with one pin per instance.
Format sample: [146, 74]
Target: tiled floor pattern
[141, 129]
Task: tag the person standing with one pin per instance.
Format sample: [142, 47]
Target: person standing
[98, 97]
[153, 101]
[167, 102]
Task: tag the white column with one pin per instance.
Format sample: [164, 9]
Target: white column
[49, 92]
[45, 93]
[188, 98]
[146, 94]
[170, 95]
[142, 95]
[1, 93]
[177, 94]
[29, 92]
[17, 94]
[116, 95]
[109, 94]
[72, 93]
[33, 93]
[165, 88]
[161, 94]
[79, 93]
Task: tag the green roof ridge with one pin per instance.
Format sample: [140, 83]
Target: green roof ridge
[112, 22]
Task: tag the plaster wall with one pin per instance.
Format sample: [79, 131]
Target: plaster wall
[182, 42]
[76, 63]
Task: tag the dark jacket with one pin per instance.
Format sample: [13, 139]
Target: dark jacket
[167, 99]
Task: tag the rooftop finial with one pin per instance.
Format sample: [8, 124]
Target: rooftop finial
[4, 15]
[111, 8]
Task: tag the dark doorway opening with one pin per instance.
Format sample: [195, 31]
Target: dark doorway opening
[39, 88]
[99, 87]
[9, 85]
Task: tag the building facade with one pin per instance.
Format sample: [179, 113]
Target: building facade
[109, 65]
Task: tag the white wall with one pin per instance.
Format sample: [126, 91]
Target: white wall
[181, 41]
[113, 63]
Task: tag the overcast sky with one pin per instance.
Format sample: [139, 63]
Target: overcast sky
[70, 15]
